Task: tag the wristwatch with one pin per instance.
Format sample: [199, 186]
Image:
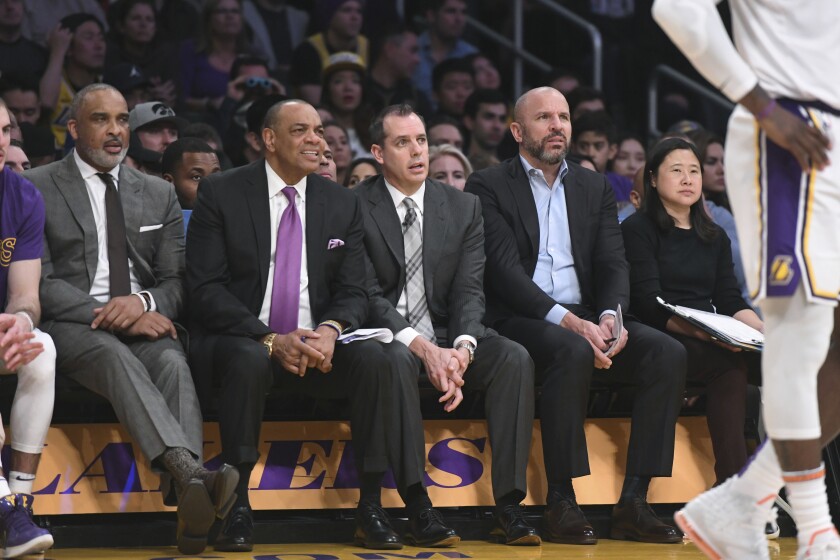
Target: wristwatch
[268, 342]
[470, 349]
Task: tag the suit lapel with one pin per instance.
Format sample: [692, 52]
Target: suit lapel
[256, 195]
[434, 232]
[576, 206]
[520, 187]
[316, 244]
[131, 197]
[385, 217]
[72, 187]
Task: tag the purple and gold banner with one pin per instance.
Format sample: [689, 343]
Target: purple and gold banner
[95, 468]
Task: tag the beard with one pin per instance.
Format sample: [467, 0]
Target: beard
[538, 150]
[100, 158]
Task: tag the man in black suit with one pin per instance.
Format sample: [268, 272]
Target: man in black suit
[275, 272]
[556, 274]
[425, 243]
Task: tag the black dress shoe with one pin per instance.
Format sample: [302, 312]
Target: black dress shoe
[564, 522]
[373, 528]
[195, 516]
[167, 490]
[426, 528]
[237, 534]
[221, 485]
[511, 528]
[634, 520]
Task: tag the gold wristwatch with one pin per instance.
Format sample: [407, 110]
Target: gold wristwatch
[268, 342]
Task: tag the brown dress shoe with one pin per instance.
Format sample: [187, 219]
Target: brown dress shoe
[634, 520]
[564, 522]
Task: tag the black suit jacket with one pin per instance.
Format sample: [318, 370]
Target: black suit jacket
[513, 234]
[453, 258]
[229, 245]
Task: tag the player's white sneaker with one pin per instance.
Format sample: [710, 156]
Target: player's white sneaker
[725, 524]
[824, 545]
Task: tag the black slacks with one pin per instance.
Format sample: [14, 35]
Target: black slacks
[652, 362]
[504, 372]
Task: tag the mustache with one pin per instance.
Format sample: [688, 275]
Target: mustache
[114, 139]
[558, 134]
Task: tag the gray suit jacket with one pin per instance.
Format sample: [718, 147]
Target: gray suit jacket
[453, 259]
[71, 247]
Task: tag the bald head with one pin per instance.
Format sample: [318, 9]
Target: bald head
[535, 97]
[542, 127]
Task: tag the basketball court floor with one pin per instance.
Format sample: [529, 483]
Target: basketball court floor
[782, 549]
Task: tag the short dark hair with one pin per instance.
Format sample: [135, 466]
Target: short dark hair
[246, 60]
[392, 31]
[450, 66]
[174, 153]
[272, 114]
[435, 5]
[377, 127]
[486, 96]
[598, 122]
[584, 93]
[22, 82]
[202, 131]
[652, 204]
[442, 118]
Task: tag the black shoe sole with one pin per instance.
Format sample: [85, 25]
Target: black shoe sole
[578, 541]
[195, 517]
[224, 497]
[448, 542]
[358, 541]
[628, 536]
[498, 536]
[233, 547]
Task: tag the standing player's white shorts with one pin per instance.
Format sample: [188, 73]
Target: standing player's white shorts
[788, 221]
[789, 229]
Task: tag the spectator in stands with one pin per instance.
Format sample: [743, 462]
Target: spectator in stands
[449, 165]
[40, 144]
[584, 161]
[344, 97]
[677, 253]
[433, 329]
[361, 169]
[185, 163]
[486, 118]
[563, 80]
[278, 30]
[442, 41]
[586, 99]
[15, 157]
[42, 17]
[443, 129]
[133, 39]
[177, 19]
[21, 98]
[390, 77]
[18, 55]
[248, 341]
[156, 125]
[326, 166]
[710, 147]
[558, 294]
[338, 141]
[342, 24]
[596, 137]
[131, 82]
[637, 194]
[142, 159]
[77, 53]
[486, 74]
[249, 81]
[205, 64]
[210, 136]
[629, 156]
[24, 350]
[453, 83]
[111, 315]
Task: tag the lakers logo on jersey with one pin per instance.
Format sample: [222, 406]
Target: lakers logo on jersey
[7, 247]
[781, 272]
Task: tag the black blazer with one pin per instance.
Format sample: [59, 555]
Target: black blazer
[229, 246]
[513, 236]
[453, 258]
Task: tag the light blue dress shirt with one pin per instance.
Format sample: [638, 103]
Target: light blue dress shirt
[555, 272]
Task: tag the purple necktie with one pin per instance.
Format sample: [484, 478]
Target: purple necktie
[285, 294]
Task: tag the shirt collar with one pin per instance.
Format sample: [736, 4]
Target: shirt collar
[564, 169]
[88, 171]
[398, 197]
[276, 184]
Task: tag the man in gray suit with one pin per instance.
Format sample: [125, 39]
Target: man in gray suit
[111, 285]
[425, 241]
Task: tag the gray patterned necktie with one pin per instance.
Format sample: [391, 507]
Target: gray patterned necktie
[415, 293]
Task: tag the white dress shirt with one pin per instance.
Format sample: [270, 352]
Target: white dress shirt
[100, 289]
[409, 333]
[277, 204]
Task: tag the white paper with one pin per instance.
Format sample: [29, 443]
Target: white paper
[722, 327]
[618, 326]
[382, 335]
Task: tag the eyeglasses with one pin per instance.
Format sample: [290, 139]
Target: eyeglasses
[227, 11]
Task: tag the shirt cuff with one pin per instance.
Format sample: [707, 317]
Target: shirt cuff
[606, 312]
[406, 335]
[467, 338]
[556, 314]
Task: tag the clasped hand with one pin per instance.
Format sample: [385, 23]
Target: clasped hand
[599, 337]
[445, 368]
[16, 346]
[302, 349]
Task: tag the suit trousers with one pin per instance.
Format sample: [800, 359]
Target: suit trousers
[361, 372]
[651, 362]
[147, 382]
[504, 372]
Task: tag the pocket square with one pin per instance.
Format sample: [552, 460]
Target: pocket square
[150, 228]
[333, 243]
